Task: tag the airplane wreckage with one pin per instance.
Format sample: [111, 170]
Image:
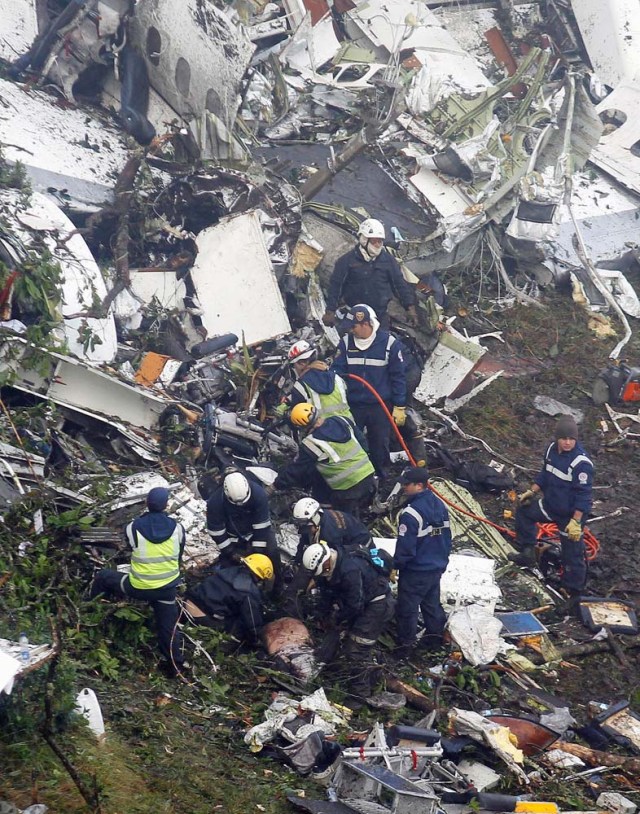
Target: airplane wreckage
[177, 182]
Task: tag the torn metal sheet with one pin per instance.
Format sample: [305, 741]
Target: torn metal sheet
[82, 283]
[469, 580]
[550, 406]
[66, 153]
[308, 49]
[235, 282]
[73, 384]
[18, 27]
[610, 31]
[407, 25]
[453, 359]
[618, 152]
[196, 58]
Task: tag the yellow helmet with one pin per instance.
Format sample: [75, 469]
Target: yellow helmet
[303, 414]
[260, 565]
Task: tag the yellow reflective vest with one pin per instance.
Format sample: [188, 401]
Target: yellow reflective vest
[154, 565]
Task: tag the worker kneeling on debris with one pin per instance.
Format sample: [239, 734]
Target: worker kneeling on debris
[330, 462]
[231, 599]
[239, 521]
[357, 583]
[157, 542]
[561, 494]
[340, 530]
[421, 557]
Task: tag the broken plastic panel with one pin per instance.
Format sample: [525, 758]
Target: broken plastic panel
[520, 623]
[617, 615]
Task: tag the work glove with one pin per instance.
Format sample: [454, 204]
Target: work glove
[413, 315]
[574, 529]
[329, 318]
[281, 410]
[524, 498]
[399, 416]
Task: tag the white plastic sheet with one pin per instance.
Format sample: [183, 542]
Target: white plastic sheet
[477, 632]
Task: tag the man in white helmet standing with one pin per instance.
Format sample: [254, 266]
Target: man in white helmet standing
[370, 275]
[239, 522]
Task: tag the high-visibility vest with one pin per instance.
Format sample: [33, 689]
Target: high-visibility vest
[333, 403]
[154, 565]
[342, 465]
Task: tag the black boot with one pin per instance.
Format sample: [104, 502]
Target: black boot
[526, 557]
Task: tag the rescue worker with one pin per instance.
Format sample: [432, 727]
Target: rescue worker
[562, 494]
[157, 543]
[239, 522]
[360, 588]
[340, 530]
[331, 463]
[231, 599]
[369, 274]
[337, 529]
[421, 557]
[376, 356]
[316, 384]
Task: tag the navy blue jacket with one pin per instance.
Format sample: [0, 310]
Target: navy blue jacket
[251, 522]
[232, 593]
[340, 530]
[424, 536]
[302, 471]
[566, 480]
[355, 581]
[382, 365]
[374, 283]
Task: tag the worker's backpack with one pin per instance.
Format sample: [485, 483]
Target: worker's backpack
[378, 557]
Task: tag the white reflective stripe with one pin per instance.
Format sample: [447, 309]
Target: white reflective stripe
[226, 543]
[219, 530]
[264, 525]
[542, 509]
[579, 459]
[364, 362]
[259, 544]
[154, 559]
[344, 473]
[301, 389]
[378, 598]
[568, 476]
[321, 447]
[156, 577]
[424, 531]
[166, 601]
[342, 388]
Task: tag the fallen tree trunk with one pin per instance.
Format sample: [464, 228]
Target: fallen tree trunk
[588, 648]
[414, 697]
[630, 765]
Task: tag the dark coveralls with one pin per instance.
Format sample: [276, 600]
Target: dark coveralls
[341, 531]
[233, 602]
[363, 594]
[156, 527]
[356, 280]
[422, 554]
[566, 480]
[245, 529]
[382, 365]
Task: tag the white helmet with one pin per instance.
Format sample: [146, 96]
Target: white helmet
[371, 228]
[307, 510]
[315, 556]
[301, 351]
[236, 488]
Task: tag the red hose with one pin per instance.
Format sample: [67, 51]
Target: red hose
[591, 543]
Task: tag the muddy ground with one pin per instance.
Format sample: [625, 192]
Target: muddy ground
[175, 747]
